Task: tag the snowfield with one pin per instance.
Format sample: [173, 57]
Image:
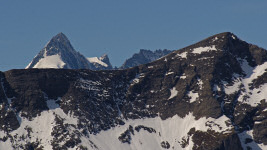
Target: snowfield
[171, 130]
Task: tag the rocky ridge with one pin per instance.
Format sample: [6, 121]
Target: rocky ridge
[209, 95]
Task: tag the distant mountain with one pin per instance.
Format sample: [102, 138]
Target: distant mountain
[208, 96]
[59, 53]
[143, 57]
[100, 63]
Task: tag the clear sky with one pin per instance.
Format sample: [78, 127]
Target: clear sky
[122, 27]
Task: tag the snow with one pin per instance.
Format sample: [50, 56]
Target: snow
[183, 55]
[183, 76]
[249, 134]
[193, 96]
[215, 39]
[199, 50]
[53, 61]
[253, 73]
[168, 73]
[233, 37]
[200, 84]
[28, 65]
[41, 127]
[233, 88]
[249, 96]
[5, 145]
[255, 96]
[216, 88]
[137, 79]
[174, 93]
[51, 104]
[172, 130]
[96, 60]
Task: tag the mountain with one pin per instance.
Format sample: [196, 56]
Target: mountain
[59, 53]
[143, 57]
[100, 63]
[207, 96]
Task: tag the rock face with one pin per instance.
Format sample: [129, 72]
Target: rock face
[209, 95]
[59, 53]
[144, 57]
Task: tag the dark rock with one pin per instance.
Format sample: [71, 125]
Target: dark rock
[165, 144]
[148, 129]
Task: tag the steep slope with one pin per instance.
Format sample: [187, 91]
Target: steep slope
[209, 95]
[59, 53]
[100, 63]
[144, 57]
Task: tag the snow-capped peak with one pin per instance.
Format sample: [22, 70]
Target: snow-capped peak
[59, 53]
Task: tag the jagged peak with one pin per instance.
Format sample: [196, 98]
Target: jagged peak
[105, 56]
[59, 39]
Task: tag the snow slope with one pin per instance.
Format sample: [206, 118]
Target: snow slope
[53, 61]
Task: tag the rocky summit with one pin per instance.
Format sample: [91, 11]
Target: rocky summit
[207, 96]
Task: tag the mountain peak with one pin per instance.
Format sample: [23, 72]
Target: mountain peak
[59, 53]
[59, 39]
[224, 36]
[227, 35]
[60, 36]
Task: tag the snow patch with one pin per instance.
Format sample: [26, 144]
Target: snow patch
[233, 88]
[53, 61]
[40, 128]
[183, 76]
[174, 93]
[249, 96]
[97, 60]
[182, 55]
[249, 135]
[233, 37]
[216, 88]
[199, 50]
[137, 79]
[168, 73]
[193, 96]
[200, 84]
[171, 130]
[215, 39]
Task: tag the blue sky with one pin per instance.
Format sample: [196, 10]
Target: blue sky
[122, 27]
